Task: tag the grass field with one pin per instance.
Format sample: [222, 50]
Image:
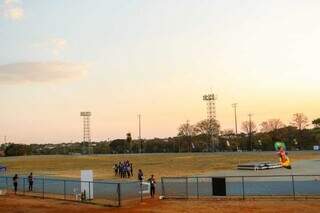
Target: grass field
[173, 164]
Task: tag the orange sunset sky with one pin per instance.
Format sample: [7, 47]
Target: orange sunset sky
[122, 58]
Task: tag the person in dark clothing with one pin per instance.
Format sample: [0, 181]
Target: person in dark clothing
[140, 175]
[152, 182]
[131, 169]
[128, 170]
[121, 170]
[15, 183]
[30, 180]
[115, 169]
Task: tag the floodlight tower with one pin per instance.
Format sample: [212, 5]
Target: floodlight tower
[86, 127]
[211, 106]
[211, 115]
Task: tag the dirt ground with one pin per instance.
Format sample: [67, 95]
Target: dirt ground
[23, 204]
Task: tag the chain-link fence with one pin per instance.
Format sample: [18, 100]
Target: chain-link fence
[241, 186]
[99, 192]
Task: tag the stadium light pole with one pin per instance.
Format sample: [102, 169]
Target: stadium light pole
[86, 130]
[139, 118]
[234, 105]
[211, 117]
[250, 131]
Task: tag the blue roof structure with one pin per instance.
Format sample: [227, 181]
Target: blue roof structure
[3, 168]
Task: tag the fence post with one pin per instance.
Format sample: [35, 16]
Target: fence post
[119, 194]
[89, 191]
[212, 185]
[64, 189]
[198, 187]
[162, 187]
[141, 190]
[43, 188]
[293, 189]
[24, 189]
[7, 183]
[187, 188]
[243, 193]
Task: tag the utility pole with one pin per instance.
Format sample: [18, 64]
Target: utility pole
[250, 131]
[188, 136]
[234, 105]
[139, 118]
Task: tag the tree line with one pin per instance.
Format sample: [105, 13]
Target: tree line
[204, 136]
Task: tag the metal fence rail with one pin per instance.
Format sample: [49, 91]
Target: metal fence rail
[105, 193]
[241, 186]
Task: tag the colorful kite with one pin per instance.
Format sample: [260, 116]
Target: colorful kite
[279, 144]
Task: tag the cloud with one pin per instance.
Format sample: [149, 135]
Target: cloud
[40, 72]
[57, 45]
[54, 45]
[12, 10]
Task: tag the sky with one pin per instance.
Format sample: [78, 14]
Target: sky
[156, 58]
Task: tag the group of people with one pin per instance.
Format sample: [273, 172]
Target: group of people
[123, 169]
[15, 182]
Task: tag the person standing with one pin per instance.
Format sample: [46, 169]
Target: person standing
[121, 170]
[140, 175]
[15, 183]
[115, 169]
[30, 180]
[152, 182]
[131, 169]
[128, 170]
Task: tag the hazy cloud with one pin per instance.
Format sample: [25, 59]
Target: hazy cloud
[12, 10]
[55, 45]
[40, 72]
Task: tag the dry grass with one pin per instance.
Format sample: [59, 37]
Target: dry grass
[158, 164]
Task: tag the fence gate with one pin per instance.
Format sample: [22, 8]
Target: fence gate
[218, 186]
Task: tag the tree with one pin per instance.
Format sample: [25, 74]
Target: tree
[316, 123]
[129, 140]
[247, 125]
[186, 131]
[227, 132]
[15, 149]
[271, 125]
[210, 128]
[118, 146]
[207, 127]
[300, 121]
